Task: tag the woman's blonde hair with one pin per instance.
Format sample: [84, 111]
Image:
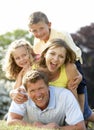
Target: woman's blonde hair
[10, 67]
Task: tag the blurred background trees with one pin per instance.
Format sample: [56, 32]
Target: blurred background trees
[84, 38]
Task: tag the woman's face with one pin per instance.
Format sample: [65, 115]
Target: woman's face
[21, 57]
[55, 58]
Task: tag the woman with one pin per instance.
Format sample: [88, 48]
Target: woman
[58, 60]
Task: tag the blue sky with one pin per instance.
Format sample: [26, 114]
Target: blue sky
[68, 15]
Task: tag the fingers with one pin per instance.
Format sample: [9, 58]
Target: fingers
[20, 100]
[19, 96]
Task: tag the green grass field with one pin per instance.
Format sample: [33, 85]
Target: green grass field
[3, 126]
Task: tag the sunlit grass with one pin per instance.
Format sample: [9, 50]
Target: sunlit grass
[3, 126]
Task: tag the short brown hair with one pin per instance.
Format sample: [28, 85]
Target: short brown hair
[37, 17]
[32, 76]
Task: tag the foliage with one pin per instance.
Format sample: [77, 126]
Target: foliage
[84, 38]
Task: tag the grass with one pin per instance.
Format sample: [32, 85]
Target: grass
[3, 126]
[90, 126]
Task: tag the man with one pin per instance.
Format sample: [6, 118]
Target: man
[47, 107]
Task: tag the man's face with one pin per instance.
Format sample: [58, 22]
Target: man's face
[41, 30]
[39, 93]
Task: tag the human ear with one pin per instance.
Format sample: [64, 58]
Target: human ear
[49, 24]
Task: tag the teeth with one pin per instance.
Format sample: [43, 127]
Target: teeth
[39, 99]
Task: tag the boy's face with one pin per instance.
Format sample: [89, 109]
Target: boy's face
[41, 30]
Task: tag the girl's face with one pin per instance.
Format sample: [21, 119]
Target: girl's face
[55, 58]
[41, 30]
[21, 57]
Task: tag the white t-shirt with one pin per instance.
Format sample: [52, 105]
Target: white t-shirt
[62, 105]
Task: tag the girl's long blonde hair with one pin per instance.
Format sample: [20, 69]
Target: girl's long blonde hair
[10, 67]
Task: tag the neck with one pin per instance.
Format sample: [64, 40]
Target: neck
[48, 36]
[54, 76]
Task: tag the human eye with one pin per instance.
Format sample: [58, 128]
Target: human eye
[41, 28]
[61, 56]
[31, 91]
[16, 58]
[52, 53]
[24, 55]
[41, 88]
[34, 31]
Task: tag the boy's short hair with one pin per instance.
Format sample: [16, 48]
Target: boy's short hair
[36, 17]
[32, 76]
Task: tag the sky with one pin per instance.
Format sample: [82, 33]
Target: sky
[67, 15]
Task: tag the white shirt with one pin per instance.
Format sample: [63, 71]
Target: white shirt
[62, 105]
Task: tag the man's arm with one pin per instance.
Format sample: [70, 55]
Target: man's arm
[78, 126]
[16, 119]
[54, 126]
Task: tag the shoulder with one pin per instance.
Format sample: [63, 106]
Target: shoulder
[17, 108]
[62, 94]
[57, 33]
[70, 66]
[60, 91]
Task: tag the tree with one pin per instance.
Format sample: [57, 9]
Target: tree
[84, 38]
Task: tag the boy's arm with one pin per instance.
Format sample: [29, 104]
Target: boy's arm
[74, 76]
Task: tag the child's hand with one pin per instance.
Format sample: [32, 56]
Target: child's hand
[19, 95]
[73, 84]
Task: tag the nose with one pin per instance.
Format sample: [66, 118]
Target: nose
[38, 32]
[21, 58]
[56, 57]
[38, 93]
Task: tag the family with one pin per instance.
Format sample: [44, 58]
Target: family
[50, 87]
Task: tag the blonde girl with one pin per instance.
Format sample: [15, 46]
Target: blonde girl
[18, 59]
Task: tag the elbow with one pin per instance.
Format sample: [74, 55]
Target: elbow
[9, 123]
[81, 126]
